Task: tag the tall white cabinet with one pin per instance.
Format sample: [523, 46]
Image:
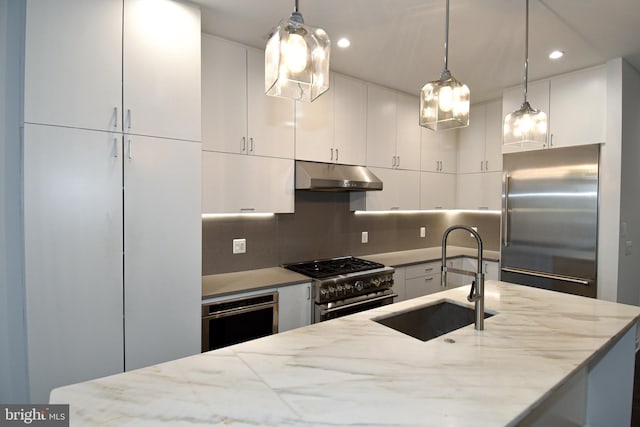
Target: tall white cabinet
[111, 187]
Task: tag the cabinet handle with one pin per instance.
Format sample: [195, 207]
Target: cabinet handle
[308, 293]
[331, 154]
[115, 147]
[398, 163]
[427, 279]
[115, 117]
[251, 144]
[428, 269]
[486, 165]
[129, 140]
[481, 165]
[393, 161]
[486, 268]
[247, 209]
[128, 118]
[395, 208]
[337, 154]
[243, 147]
[551, 140]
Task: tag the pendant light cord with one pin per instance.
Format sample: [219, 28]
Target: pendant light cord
[296, 7]
[526, 51]
[446, 40]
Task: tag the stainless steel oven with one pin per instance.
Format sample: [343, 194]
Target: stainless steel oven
[346, 285]
[232, 321]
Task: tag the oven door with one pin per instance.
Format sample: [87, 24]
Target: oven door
[335, 309]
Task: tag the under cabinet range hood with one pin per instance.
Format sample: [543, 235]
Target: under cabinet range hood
[315, 176]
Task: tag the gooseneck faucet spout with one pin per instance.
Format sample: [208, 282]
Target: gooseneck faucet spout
[477, 286]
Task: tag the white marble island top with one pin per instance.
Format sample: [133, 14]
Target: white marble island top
[354, 371]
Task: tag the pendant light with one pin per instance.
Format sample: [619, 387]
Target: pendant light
[525, 125]
[444, 103]
[297, 60]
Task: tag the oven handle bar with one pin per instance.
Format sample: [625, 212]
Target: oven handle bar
[239, 310]
[355, 304]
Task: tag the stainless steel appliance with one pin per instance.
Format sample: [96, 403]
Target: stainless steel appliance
[346, 285]
[231, 321]
[550, 219]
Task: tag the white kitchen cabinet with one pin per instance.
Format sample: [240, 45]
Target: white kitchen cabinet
[575, 104]
[479, 144]
[393, 132]
[489, 268]
[422, 279]
[350, 108]
[399, 284]
[73, 256]
[401, 191]
[235, 183]
[96, 264]
[237, 116]
[294, 306]
[438, 150]
[479, 191]
[437, 190]
[162, 248]
[91, 76]
[333, 128]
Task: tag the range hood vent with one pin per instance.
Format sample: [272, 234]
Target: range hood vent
[314, 176]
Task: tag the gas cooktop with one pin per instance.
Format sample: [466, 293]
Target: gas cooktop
[320, 269]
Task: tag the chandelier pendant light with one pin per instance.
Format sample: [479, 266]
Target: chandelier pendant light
[444, 103]
[297, 60]
[525, 125]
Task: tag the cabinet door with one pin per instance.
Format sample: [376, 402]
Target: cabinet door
[401, 191]
[270, 119]
[294, 306]
[538, 96]
[408, 132]
[469, 191]
[224, 96]
[234, 183]
[437, 190]
[471, 141]
[491, 270]
[162, 247]
[491, 191]
[421, 286]
[578, 108]
[73, 64]
[73, 256]
[161, 69]
[350, 103]
[399, 284]
[430, 150]
[381, 126]
[493, 137]
[314, 129]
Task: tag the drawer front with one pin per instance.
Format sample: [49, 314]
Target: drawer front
[419, 286]
[421, 270]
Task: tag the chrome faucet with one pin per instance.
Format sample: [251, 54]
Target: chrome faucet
[477, 286]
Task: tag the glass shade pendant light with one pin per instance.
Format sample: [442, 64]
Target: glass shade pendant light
[444, 103]
[525, 125]
[297, 60]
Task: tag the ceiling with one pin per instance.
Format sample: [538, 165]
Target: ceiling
[400, 43]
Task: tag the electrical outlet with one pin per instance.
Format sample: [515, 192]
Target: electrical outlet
[365, 237]
[239, 246]
[423, 231]
[474, 229]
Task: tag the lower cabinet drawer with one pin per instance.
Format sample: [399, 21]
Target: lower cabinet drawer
[419, 286]
[420, 270]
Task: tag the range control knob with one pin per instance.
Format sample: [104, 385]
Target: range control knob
[359, 285]
[348, 289]
[332, 290]
[375, 281]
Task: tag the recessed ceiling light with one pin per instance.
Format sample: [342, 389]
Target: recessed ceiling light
[556, 54]
[344, 42]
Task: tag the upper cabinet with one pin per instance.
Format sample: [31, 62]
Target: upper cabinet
[479, 144]
[401, 192]
[237, 117]
[139, 76]
[575, 104]
[438, 150]
[393, 132]
[333, 127]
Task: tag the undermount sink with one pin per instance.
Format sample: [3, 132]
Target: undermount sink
[431, 321]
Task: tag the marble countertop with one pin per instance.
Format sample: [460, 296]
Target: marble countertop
[354, 371]
[217, 285]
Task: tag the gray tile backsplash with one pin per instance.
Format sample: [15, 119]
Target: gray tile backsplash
[322, 227]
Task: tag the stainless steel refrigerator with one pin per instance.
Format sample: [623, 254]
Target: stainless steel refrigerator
[550, 219]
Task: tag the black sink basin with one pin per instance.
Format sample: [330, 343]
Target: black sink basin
[431, 321]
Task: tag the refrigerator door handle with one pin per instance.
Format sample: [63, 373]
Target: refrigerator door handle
[505, 231]
[552, 276]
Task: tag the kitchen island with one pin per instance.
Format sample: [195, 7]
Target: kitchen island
[542, 357]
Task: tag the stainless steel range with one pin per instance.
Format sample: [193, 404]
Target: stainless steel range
[346, 285]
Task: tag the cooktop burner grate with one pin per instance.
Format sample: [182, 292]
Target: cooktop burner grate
[321, 269]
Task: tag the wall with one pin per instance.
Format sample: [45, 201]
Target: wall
[628, 265]
[322, 227]
[13, 369]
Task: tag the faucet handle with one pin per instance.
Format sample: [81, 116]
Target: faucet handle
[472, 295]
